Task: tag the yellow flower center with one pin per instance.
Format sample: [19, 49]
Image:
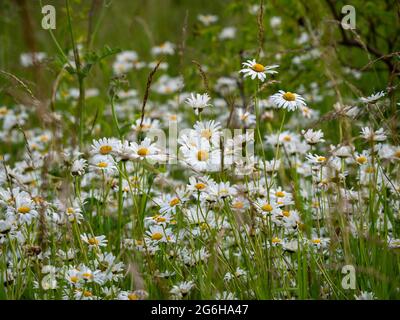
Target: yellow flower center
[286, 213]
[102, 164]
[321, 159]
[361, 160]
[3, 111]
[145, 126]
[87, 293]
[370, 170]
[24, 209]
[174, 202]
[105, 149]
[156, 236]
[93, 241]
[74, 279]
[173, 117]
[44, 138]
[204, 226]
[168, 89]
[238, 205]
[133, 296]
[287, 138]
[87, 275]
[276, 240]
[70, 210]
[316, 241]
[206, 133]
[397, 154]
[267, 207]
[143, 152]
[160, 219]
[199, 186]
[280, 194]
[202, 155]
[288, 96]
[258, 67]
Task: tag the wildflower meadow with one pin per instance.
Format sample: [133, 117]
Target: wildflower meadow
[193, 149]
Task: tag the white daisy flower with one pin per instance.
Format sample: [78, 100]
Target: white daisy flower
[78, 167]
[371, 135]
[227, 33]
[287, 100]
[25, 208]
[373, 97]
[32, 58]
[167, 48]
[319, 242]
[207, 19]
[146, 125]
[146, 150]
[94, 242]
[313, 137]
[316, 159]
[256, 70]
[168, 85]
[104, 146]
[200, 156]
[158, 233]
[267, 208]
[103, 163]
[245, 118]
[209, 130]
[198, 102]
[181, 289]
[365, 296]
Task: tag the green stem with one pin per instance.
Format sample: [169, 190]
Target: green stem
[80, 75]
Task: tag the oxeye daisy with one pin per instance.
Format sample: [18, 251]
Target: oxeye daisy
[25, 208]
[207, 19]
[103, 163]
[104, 146]
[267, 208]
[146, 150]
[276, 241]
[167, 48]
[200, 156]
[199, 184]
[198, 102]
[256, 70]
[373, 98]
[158, 233]
[245, 118]
[145, 125]
[313, 137]
[78, 167]
[316, 159]
[222, 190]
[319, 242]
[159, 219]
[73, 277]
[371, 135]
[209, 130]
[94, 242]
[169, 203]
[124, 151]
[287, 100]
